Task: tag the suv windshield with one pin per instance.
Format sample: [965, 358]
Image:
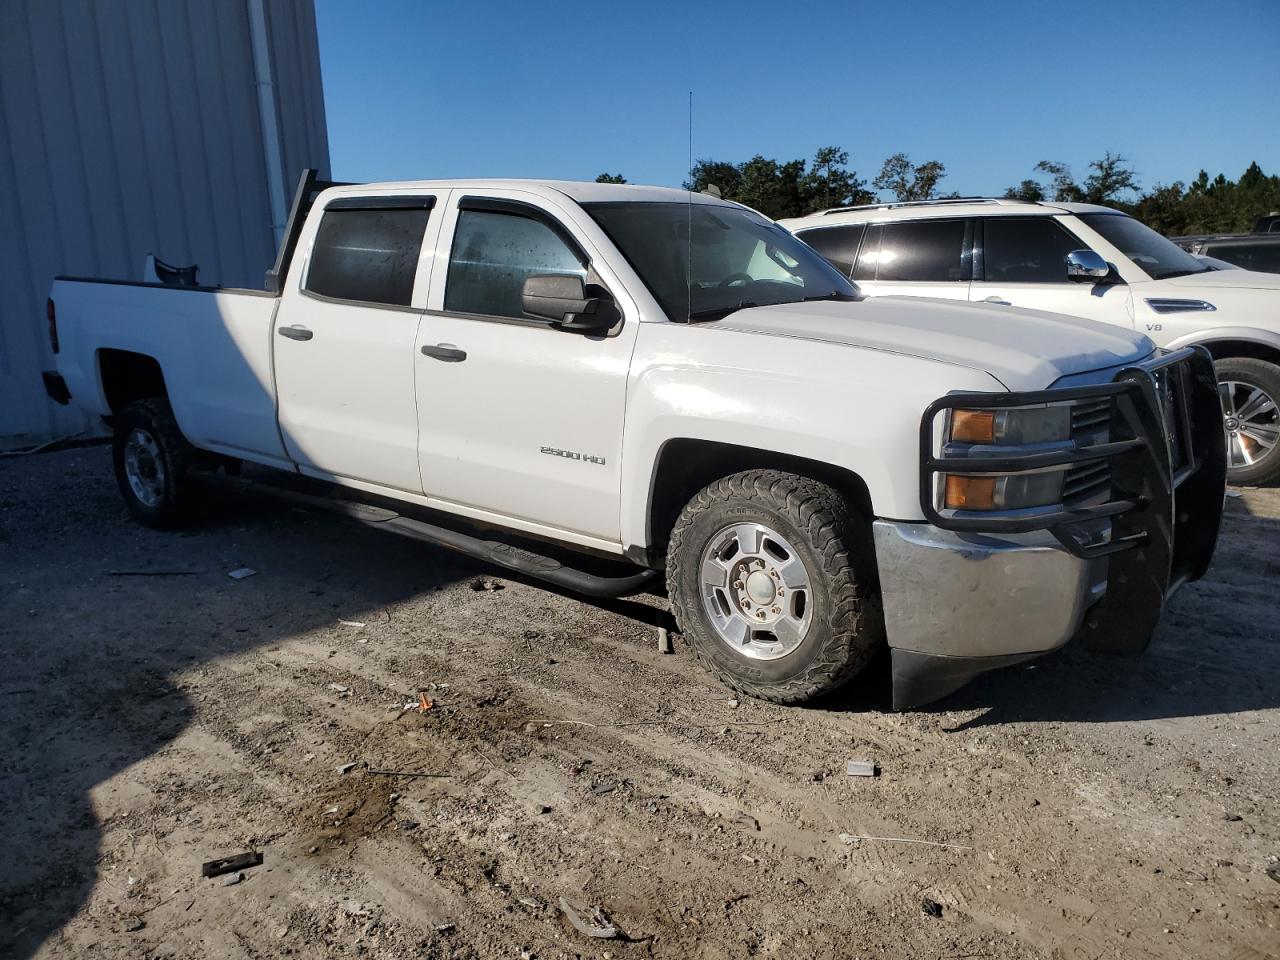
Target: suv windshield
[737, 258]
[1157, 257]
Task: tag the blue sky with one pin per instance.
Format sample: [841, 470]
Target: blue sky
[568, 90]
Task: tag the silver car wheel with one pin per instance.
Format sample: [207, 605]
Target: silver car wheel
[1252, 422]
[756, 591]
[144, 467]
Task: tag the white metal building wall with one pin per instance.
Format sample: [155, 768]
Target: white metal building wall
[130, 127]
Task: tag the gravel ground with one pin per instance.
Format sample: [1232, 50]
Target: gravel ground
[1094, 807]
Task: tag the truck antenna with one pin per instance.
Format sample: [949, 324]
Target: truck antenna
[688, 236]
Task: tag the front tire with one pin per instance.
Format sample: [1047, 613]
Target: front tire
[1250, 393]
[152, 460]
[773, 584]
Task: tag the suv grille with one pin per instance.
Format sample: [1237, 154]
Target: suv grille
[1091, 480]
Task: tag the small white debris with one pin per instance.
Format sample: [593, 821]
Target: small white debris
[339, 689]
[861, 768]
[346, 768]
[733, 704]
[241, 572]
[352, 623]
[664, 641]
[232, 879]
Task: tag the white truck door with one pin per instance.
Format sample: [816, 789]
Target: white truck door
[344, 342]
[518, 419]
[916, 258]
[1022, 261]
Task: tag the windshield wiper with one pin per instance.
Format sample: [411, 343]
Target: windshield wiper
[1178, 273]
[833, 295]
[719, 313]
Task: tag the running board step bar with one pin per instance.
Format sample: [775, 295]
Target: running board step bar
[505, 555]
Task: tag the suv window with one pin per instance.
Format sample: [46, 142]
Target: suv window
[1026, 250]
[1263, 256]
[368, 253]
[837, 244]
[493, 253]
[929, 251]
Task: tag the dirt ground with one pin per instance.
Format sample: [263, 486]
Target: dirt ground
[1094, 807]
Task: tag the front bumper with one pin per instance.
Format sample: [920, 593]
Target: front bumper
[969, 592]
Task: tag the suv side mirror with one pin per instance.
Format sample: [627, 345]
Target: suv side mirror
[1087, 266]
[562, 299]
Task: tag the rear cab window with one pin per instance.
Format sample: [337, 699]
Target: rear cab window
[366, 249]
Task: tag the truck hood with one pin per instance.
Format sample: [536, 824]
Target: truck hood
[1023, 349]
[1214, 280]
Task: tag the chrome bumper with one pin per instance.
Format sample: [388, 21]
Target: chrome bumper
[958, 604]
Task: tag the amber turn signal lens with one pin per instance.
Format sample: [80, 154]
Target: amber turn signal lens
[971, 493]
[973, 426]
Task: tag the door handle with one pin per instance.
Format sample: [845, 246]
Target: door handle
[296, 332]
[444, 351]
[999, 300]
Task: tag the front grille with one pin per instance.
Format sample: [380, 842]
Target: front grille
[1091, 480]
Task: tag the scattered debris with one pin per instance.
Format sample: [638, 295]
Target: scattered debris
[241, 861]
[746, 820]
[352, 623]
[664, 641]
[533, 903]
[851, 839]
[241, 572]
[588, 920]
[232, 879]
[543, 809]
[446, 928]
[600, 789]
[425, 703]
[930, 907]
[1234, 494]
[733, 704]
[861, 768]
[1273, 872]
[346, 768]
[1232, 817]
[481, 584]
[405, 773]
[134, 924]
[339, 689]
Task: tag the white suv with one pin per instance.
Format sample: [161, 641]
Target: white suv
[1085, 260]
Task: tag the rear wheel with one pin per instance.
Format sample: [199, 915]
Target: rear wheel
[773, 583]
[152, 460]
[1249, 390]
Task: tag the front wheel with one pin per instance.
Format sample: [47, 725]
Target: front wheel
[152, 459]
[773, 583]
[1249, 390]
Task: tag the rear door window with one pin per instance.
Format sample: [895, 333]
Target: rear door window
[367, 251]
[1026, 250]
[494, 253]
[839, 245]
[923, 251]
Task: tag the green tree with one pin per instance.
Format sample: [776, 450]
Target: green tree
[1107, 180]
[907, 181]
[829, 184]
[611, 178]
[1029, 190]
[783, 188]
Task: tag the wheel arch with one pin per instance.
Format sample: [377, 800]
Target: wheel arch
[685, 465]
[126, 375]
[1234, 342]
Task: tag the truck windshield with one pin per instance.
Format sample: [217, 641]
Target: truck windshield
[736, 259]
[1157, 257]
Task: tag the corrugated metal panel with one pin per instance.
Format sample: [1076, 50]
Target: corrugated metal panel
[130, 127]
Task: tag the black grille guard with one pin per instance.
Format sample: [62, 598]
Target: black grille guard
[1164, 512]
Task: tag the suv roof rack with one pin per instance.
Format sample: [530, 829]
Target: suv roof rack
[893, 205]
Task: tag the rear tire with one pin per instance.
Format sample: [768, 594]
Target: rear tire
[152, 460]
[1250, 394]
[735, 550]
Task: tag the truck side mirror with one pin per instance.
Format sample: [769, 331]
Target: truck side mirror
[1087, 266]
[563, 299]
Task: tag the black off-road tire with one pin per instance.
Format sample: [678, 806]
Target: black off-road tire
[1266, 377]
[174, 455]
[835, 544]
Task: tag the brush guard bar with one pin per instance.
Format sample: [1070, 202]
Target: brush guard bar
[1167, 456]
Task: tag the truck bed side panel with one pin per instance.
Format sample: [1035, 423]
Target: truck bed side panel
[213, 347]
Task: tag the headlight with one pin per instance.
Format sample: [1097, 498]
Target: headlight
[1015, 426]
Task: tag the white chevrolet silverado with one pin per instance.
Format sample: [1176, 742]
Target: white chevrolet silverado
[675, 382]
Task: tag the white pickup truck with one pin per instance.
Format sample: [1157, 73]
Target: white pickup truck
[673, 381]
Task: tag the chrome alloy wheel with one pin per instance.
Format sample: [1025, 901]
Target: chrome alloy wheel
[756, 591]
[1252, 422]
[144, 467]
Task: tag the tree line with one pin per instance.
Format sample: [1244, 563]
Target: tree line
[794, 188]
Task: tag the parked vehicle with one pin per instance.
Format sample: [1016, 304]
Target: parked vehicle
[1084, 260]
[1248, 251]
[674, 381]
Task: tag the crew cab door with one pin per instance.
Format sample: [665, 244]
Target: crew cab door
[344, 341]
[518, 419]
[1021, 261]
